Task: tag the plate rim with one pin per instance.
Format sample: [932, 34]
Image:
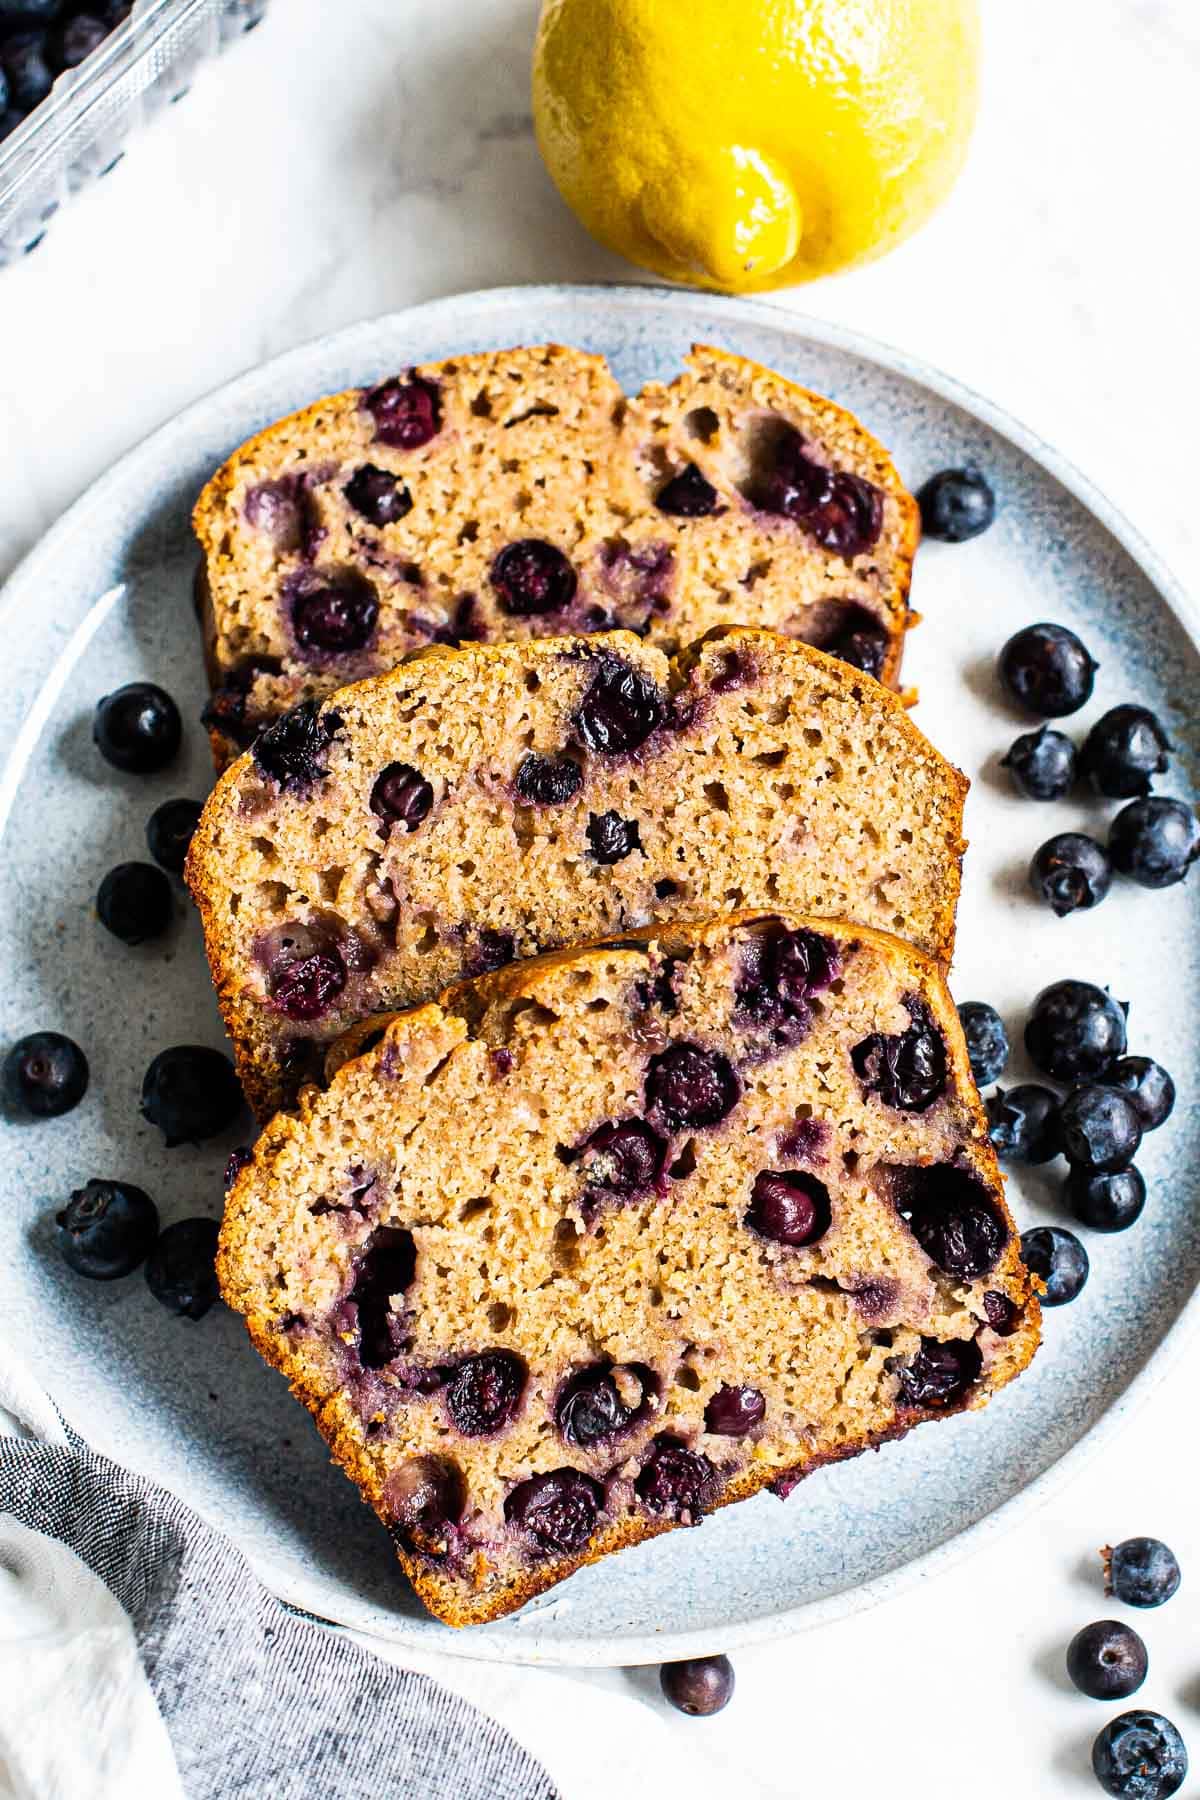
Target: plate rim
[632, 1649]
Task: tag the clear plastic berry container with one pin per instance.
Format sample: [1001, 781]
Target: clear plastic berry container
[83, 126]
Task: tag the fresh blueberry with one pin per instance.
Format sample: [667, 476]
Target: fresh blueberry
[1023, 1123]
[952, 1216]
[75, 37]
[24, 56]
[789, 1206]
[688, 1086]
[699, 1687]
[939, 1374]
[548, 780]
[858, 639]
[956, 504]
[597, 1404]
[688, 495]
[734, 1411]
[107, 1229]
[385, 1267]
[1105, 1202]
[674, 1478]
[1059, 1258]
[28, 12]
[987, 1040]
[1140, 1756]
[1075, 1031]
[407, 414]
[1141, 1571]
[1070, 873]
[532, 577]
[559, 1510]
[190, 1092]
[401, 796]
[906, 1070]
[1101, 1129]
[305, 987]
[1107, 1660]
[378, 495]
[292, 750]
[181, 1270]
[1042, 764]
[611, 837]
[169, 832]
[333, 614]
[484, 1392]
[45, 1075]
[1154, 841]
[137, 728]
[841, 511]
[622, 1159]
[1149, 1087]
[1124, 751]
[1047, 671]
[135, 902]
[620, 708]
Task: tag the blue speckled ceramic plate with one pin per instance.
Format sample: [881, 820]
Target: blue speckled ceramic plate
[106, 598]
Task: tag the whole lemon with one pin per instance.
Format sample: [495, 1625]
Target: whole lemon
[742, 144]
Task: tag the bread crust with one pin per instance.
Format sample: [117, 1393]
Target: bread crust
[451, 1015]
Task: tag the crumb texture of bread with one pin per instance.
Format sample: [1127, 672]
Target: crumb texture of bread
[479, 805]
[596, 1243]
[518, 493]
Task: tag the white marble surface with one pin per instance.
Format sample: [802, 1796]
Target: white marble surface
[346, 161]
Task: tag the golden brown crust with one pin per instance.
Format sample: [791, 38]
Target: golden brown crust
[453, 1020]
[586, 480]
[565, 896]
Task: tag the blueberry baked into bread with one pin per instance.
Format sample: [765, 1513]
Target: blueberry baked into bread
[478, 805]
[517, 493]
[599, 1242]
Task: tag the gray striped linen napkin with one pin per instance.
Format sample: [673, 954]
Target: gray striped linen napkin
[256, 1701]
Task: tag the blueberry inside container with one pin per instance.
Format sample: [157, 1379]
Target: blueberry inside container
[80, 130]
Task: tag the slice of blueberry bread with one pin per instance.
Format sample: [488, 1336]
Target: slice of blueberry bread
[780, 510]
[517, 494]
[482, 804]
[599, 1242]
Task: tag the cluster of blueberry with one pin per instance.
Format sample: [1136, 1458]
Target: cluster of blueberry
[41, 38]
[110, 1228]
[138, 729]
[1075, 1034]
[1153, 840]
[1050, 673]
[1138, 1755]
